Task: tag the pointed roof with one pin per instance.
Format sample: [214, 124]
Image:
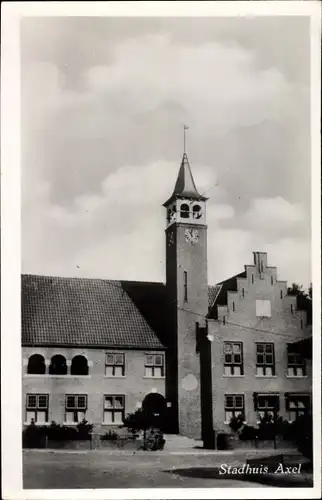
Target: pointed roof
[185, 186]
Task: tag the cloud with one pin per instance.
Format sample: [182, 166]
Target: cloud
[102, 120]
[276, 217]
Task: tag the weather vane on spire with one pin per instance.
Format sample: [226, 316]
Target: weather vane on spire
[185, 127]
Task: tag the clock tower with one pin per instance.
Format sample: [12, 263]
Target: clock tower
[187, 293]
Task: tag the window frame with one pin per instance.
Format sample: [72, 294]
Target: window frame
[115, 364]
[266, 408]
[37, 408]
[296, 364]
[235, 409]
[154, 365]
[77, 408]
[297, 409]
[233, 364]
[265, 365]
[113, 409]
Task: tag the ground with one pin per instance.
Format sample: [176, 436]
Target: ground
[47, 469]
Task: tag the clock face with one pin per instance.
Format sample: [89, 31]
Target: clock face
[191, 235]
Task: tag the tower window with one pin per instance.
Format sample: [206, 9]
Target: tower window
[292, 308]
[243, 292]
[185, 281]
[184, 211]
[196, 212]
[234, 306]
[281, 294]
[272, 280]
[252, 278]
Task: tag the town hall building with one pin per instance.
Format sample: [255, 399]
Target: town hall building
[100, 349]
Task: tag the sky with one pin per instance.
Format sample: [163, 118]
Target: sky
[103, 103]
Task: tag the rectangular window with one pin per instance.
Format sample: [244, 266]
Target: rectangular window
[272, 280]
[114, 408]
[233, 358]
[185, 277]
[37, 408]
[114, 365]
[154, 365]
[75, 408]
[297, 405]
[295, 363]
[265, 359]
[263, 308]
[234, 406]
[266, 404]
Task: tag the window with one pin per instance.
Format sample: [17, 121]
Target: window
[233, 306]
[265, 363]
[114, 365]
[184, 211]
[154, 365]
[185, 284]
[196, 212]
[266, 404]
[281, 294]
[234, 406]
[301, 324]
[292, 308]
[37, 408]
[263, 308]
[233, 358]
[297, 405]
[113, 410]
[224, 320]
[79, 366]
[295, 363]
[252, 278]
[243, 292]
[272, 280]
[36, 365]
[58, 365]
[75, 408]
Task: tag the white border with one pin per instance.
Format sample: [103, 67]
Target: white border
[10, 241]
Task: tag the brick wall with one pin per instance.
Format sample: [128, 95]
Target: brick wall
[260, 283]
[134, 385]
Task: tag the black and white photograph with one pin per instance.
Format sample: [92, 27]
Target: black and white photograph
[166, 241]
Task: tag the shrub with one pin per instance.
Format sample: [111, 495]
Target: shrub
[248, 433]
[84, 430]
[236, 423]
[138, 421]
[110, 436]
[154, 440]
[302, 433]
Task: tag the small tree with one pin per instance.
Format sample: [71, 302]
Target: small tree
[84, 429]
[142, 420]
[236, 423]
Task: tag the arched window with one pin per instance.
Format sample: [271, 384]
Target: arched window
[79, 366]
[196, 212]
[184, 211]
[58, 365]
[36, 365]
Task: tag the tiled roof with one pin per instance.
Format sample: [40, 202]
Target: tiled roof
[95, 312]
[87, 312]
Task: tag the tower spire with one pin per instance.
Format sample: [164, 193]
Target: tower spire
[185, 186]
[185, 128]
